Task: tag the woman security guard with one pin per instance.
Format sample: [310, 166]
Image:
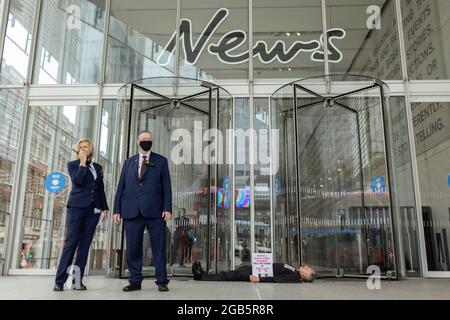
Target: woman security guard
[86, 207]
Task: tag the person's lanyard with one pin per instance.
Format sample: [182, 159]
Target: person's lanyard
[94, 173]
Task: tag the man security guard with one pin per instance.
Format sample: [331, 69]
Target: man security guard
[144, 199]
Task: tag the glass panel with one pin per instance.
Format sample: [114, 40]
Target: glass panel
[17, 44]
[106, 157]
[138, 33]
[372, 233]
[69, 45]
[403, 188]
[11, 106]
[370, 45]
[330, 182]
[242, 241]
[432, 135]
[187, 233]
[287, 37]
[223, 54]
[263, 234]
[345, 205]
[224, 171]
[426, 27]
[52, 133]
[284, 187]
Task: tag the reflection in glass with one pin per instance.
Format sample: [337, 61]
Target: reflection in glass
[242, 241]
[17, 44]
[284, 188]
[370, 46]
[426, 29]
[224, 228]
[262, 149]
[138, 33]
[69, 45]
[52, 133]
[432, 138]
[344, 214]
[11, 104]
[213, 61]
[178, 111]
[403, 191]
[293, 24]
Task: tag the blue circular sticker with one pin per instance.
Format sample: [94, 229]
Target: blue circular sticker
[277, 185]
[378, 185]
[55, 182]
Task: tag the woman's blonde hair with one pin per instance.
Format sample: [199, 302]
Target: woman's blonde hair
[88, 140]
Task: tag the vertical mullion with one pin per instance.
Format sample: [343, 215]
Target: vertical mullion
[412, 146]
[17, 196]
[4, 13]
[325, 37]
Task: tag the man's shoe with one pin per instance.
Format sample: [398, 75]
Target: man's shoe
[82, 287]
[132, 287]
[163, 287]
[200, 269]
[58, 287]
[197, 271]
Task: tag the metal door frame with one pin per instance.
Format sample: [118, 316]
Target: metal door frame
[173, 103]
[330, 100]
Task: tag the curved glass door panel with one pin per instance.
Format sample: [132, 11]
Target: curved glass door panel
[182, 114]
[333, 202]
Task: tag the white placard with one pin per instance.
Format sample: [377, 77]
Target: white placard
[262, 265]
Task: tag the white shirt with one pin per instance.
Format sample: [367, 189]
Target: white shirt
[141, 160]
[94, 173]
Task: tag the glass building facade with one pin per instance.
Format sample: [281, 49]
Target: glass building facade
[328, 171]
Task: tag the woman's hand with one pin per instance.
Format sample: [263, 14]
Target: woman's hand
[82, 156]
[253, 278]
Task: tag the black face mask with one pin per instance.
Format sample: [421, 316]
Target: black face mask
[146, 145]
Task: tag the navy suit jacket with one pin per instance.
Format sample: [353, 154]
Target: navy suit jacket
[150, 195]
[86, 190]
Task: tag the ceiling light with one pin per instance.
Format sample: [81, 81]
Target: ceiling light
[288, 34]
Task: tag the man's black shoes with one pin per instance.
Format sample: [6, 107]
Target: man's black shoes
[197, 270]
[81, 287]
[132, 287]
[58, 287]
[163, 287]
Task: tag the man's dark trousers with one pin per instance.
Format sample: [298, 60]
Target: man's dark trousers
[134, 231]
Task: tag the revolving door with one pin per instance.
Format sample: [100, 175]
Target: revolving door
[188, 119]
[333, 209]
